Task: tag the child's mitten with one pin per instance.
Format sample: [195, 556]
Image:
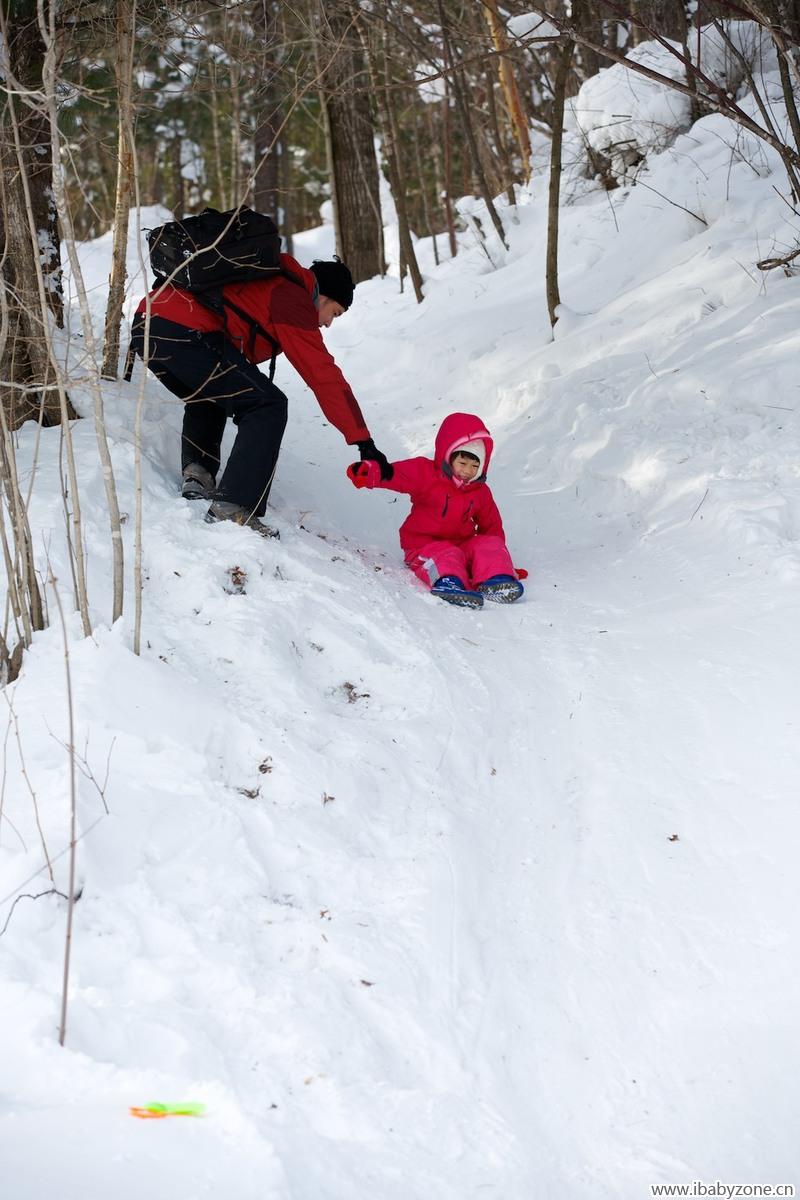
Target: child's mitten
[364, 474]
[369, 451]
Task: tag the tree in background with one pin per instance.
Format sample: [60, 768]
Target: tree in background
[283, 106]
[30, 259]
[125, 48]
[270, 148]
[350, 137]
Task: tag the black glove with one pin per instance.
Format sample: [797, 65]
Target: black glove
[370, 452]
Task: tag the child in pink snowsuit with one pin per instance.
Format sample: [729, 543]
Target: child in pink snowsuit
[453, 537]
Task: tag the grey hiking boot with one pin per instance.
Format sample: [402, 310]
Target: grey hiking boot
[225, 510]
[198, 483]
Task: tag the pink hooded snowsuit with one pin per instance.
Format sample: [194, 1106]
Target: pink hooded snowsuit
[454, 528]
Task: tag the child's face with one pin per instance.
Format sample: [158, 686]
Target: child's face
[465, 467]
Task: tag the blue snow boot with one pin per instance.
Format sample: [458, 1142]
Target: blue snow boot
[452, 589]
[505, 589]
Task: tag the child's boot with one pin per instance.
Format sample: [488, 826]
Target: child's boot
[505, 589]
[453, 589]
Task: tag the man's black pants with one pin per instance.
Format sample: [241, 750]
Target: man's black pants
[215, 382]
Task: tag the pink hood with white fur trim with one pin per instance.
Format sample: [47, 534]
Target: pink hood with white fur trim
[455, 431]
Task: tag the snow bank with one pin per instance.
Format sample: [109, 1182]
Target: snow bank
[620, 118]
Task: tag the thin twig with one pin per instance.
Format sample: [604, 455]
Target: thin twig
[769, 264]
[700, 505]
[3, 814]
[62, 1029]
[639, 182]
[12, 717]
[55, 858]
[86, 771]
[28, 896]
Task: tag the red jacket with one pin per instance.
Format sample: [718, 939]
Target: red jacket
[442, 507]
[287, 312]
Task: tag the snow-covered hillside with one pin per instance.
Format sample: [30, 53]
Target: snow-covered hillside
[422, 902]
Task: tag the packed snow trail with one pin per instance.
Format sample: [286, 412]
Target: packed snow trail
[449, 938]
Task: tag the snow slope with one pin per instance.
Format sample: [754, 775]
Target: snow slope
[423, 902]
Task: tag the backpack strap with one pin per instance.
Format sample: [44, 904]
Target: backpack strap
[214, 300]
[255, 328]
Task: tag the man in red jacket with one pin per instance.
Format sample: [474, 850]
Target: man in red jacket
[208, 359]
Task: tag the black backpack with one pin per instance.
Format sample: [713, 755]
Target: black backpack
[214, 248]
[201, 254]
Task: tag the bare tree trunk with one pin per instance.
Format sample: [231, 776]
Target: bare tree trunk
[509, 85]
[237, 190]
[694, 108]
[126, 34]
[73, 820]
[328, 135]
[585, 13]
[287, 206]
[350, 140]
[24, 597]
[408, 254]
[155, 187]
[177, 205]
[30, 261]
[777, 19]
[448, 170]
[426, 208]
[560, 89]
[25, 62]
[50, 84]
[501, 148]
[436, 155]
[222, 196]
[408, 258]
[466, 123]
[266, 176]
[789, 98]
[266, 181]
[138, 573]
[667, 17]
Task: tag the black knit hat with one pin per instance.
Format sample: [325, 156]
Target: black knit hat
[335, 281]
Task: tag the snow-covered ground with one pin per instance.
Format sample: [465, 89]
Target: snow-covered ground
[422, 902]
